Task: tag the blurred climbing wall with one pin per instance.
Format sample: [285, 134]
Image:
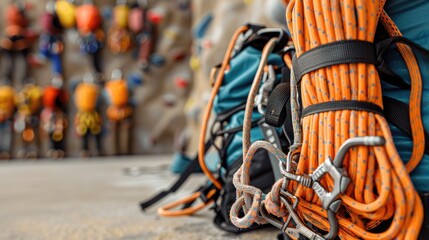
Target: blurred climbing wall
[160, 102]
[168, 114]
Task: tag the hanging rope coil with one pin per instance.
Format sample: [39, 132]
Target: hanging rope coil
[380, 188]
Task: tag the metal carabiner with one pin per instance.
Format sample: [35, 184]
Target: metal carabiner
[240, 41]
[341, 181]
[300, 227]
[273, 220]
[286, 168]
[267, 86]
[339, 175]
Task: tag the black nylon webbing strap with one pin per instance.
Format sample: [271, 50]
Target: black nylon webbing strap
[398, 114]
[224, 116]
[342, 105]
[384, 45]
[179, 182]
[276, 112]
[341, 52]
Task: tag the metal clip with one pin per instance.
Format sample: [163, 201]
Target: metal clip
[286, 168]
[339, 175]
[274, 32]
[240, 42]
[336, 171]
[300, 228]
[273, 220]
[341, 182]
[267, 86]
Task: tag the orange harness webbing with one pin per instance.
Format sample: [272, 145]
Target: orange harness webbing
[166, 210]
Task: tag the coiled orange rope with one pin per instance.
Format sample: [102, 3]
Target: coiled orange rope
[380, 188]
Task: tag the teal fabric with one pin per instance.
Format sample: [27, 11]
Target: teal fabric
[181, 162]
[233, 93]
[235, 148]
[412, 19]
[238, 80]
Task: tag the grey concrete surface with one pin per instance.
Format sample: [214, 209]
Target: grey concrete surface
[96, 199]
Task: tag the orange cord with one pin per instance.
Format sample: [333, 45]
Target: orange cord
[381, 187]
[166, 211]
[208, 110]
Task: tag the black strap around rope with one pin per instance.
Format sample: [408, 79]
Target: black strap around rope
[354, 51]
[395, 112]
[347, 51]
[342, 105]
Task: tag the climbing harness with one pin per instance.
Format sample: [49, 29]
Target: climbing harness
[51, 45]
[53, 117]
[119, 37]
[88, 120]
[227, 100]
[143, 31]
[7, 108]
[17, 41]
[29, 106]
[88, 21]
[120, 110]
[118, 97]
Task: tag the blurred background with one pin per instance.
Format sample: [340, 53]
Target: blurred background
[163, 50]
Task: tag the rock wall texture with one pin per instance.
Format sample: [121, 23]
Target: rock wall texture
[159, 101]
[167, 116]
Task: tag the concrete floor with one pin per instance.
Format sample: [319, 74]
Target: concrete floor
[96, 199]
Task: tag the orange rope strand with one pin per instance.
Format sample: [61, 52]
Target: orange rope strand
[314, 23]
